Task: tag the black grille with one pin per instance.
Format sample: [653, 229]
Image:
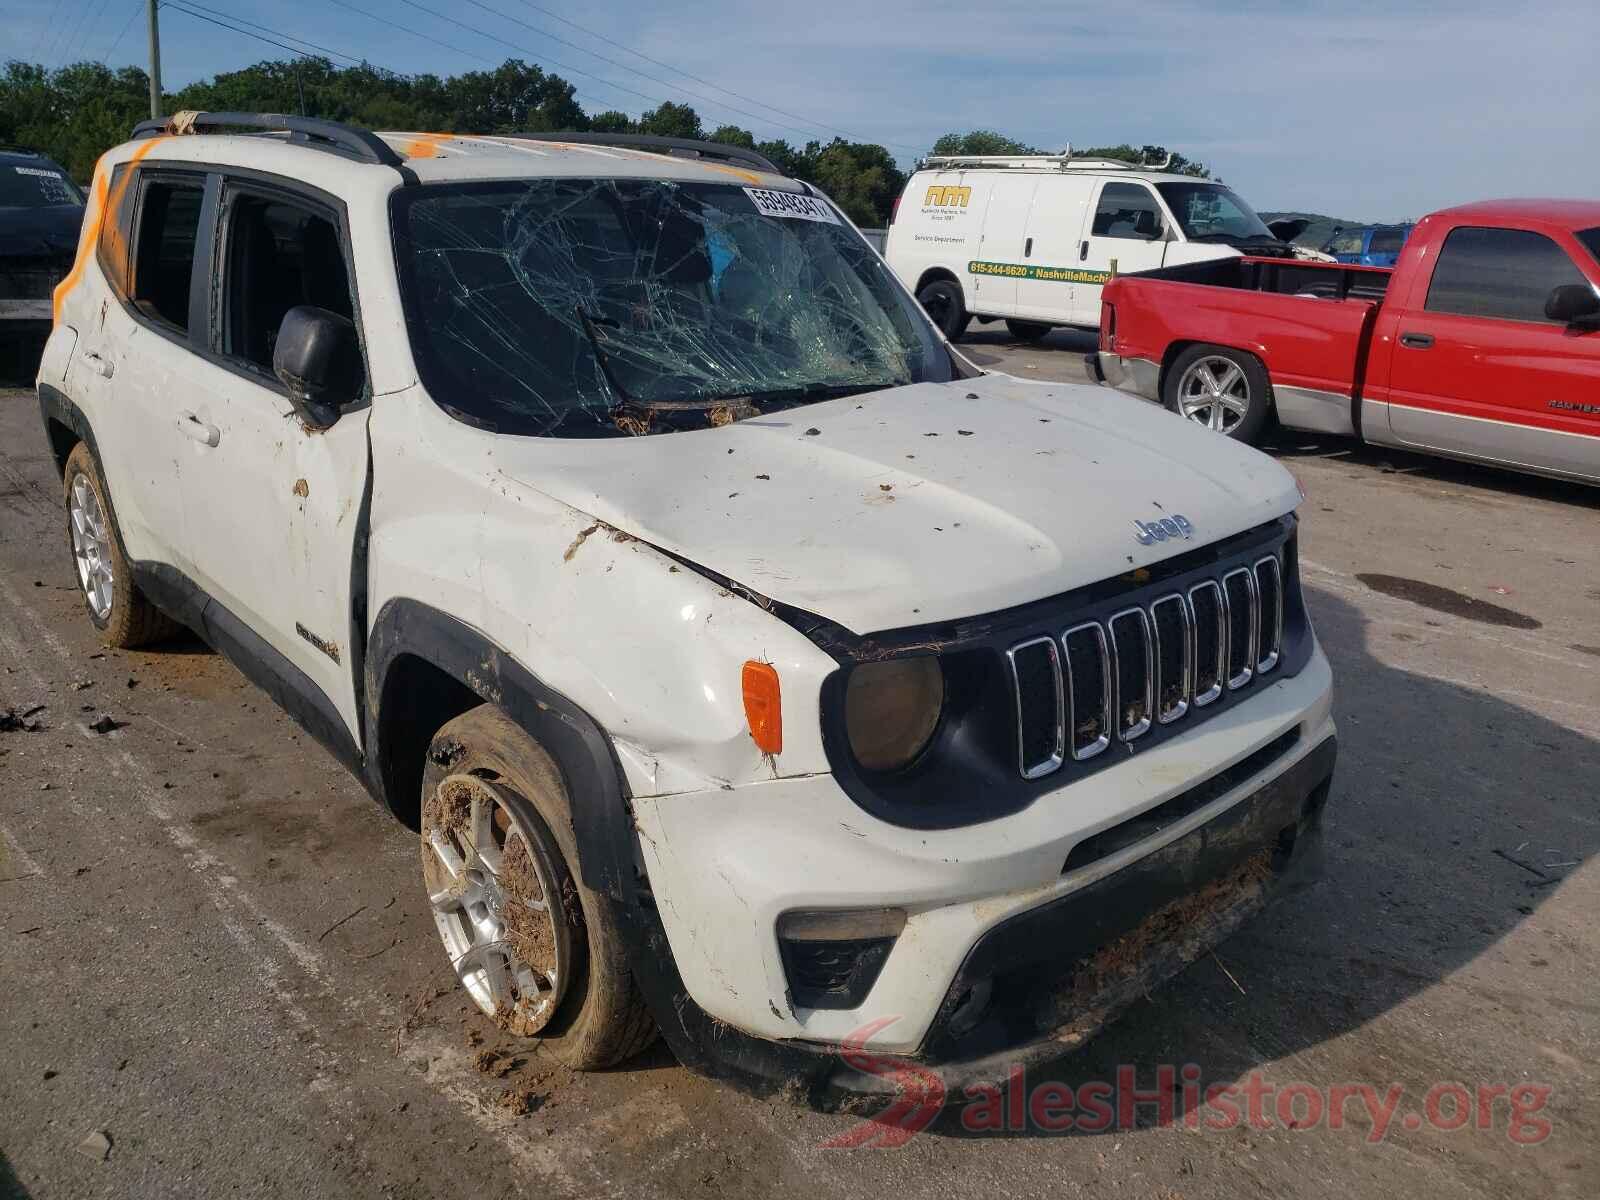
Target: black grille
[833, 974]
[1144, 665]
[1036, 671]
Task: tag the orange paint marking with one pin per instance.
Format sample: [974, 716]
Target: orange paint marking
[101, 202]
[424, 145]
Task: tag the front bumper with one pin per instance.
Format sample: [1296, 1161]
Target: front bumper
[990, 906]
[1140, 376]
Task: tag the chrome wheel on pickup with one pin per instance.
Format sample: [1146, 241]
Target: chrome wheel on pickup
[490, 879]
[1225, 390]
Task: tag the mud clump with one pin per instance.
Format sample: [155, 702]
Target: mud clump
[522, 1098]
[449, 809]
[1184, 919]
[494, 1063]
[528, 930]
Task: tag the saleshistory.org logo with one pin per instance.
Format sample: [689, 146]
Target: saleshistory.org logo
[1148, 533]
[1176, 1096]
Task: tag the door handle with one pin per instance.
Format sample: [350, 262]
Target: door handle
[194, 427]
[1417, 341]
[1027, 248]
[1083, 249]
[102, 367]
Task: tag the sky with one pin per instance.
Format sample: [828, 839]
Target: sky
[1364, 110]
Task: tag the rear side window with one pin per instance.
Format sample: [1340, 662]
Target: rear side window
[1591, 241]
[1127, 210]
[115, 229]
[169, 223]
[1502, 273]
[1386, 241]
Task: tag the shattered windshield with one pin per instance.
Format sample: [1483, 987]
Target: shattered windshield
[1208, 210]
[608, 307]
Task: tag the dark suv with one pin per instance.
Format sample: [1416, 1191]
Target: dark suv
[41, 211]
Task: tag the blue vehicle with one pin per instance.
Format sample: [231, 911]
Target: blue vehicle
[1368, 245]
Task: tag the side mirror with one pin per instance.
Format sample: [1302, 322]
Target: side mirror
[1573, 304]
[318, 358]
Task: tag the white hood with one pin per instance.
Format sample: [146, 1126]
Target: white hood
[921, 504]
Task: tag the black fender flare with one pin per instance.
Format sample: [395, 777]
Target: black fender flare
[602, 821]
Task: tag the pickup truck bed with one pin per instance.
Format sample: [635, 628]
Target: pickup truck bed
[1482, 342]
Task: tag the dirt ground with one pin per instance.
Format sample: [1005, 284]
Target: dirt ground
[216, 955]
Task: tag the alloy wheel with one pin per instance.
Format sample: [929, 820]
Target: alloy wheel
[1214, 392]
[489, 874]
[91, 547]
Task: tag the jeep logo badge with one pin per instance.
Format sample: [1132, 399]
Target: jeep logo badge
[1148, 533]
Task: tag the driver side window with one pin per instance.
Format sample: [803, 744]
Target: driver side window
[278, 254]
[1128, 210]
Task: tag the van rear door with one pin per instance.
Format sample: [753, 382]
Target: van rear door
[991, 278]
[1127, 226]
[1048, 290]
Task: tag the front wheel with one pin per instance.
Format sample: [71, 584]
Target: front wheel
[1225, 390]
[942, 301]
[1027, 331]
[538, 951]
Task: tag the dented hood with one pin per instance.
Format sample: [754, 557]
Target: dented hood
[920, 504]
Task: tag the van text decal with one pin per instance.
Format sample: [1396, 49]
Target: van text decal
[942, 195]
[1029, 271]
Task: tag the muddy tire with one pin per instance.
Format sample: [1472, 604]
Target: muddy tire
[1027, 331]
[120, 611]
[1224, 389]
[558, 973]
[941, 299]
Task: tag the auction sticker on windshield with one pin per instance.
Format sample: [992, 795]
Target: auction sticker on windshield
[790, 204]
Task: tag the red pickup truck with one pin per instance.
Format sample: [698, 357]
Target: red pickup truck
[1482, 342]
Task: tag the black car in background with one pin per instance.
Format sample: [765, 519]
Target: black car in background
[41, 211]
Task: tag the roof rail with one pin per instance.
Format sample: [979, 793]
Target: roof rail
[347, 140]
[682, 147]
[1061, 162]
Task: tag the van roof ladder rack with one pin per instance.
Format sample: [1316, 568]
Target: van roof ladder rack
[347, 140]
[680, 147]
[1061, 162]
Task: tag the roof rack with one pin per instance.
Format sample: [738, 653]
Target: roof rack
[681, 147]
[347, 140]
[1061, 162]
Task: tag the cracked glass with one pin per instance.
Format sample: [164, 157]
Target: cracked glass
[617, 307]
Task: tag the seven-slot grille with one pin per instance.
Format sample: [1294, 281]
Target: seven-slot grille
[1117, 678]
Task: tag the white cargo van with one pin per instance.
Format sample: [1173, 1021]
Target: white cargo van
[1031, 238]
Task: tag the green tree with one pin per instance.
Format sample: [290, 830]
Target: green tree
[671, 120]
[612, 122]
[981, 141]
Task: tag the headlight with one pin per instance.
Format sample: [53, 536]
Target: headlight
[891, 710]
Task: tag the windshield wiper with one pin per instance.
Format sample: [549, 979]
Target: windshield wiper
[807, 393]
[624, 400]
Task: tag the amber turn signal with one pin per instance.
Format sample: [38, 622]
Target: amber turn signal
[763, 706]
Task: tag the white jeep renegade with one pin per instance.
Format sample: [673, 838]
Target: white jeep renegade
[754, 669]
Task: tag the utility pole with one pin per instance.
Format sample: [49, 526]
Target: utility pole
[155, 63]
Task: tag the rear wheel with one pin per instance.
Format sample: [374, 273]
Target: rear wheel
[941, 299]
[119, 610]
[1027, 331]
[1225, 390]
[536, 950]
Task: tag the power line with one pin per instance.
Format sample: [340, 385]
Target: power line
[80, 18]
[267, 29]
[91, 17]
[258, 37]
[433, 41]
[138, 7]
[691, 75]
[44, 32]
[642, 74]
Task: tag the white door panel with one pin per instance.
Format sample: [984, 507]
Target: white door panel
[273, 514]
[991, 279]
[1127, 225]
[1049, 290]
